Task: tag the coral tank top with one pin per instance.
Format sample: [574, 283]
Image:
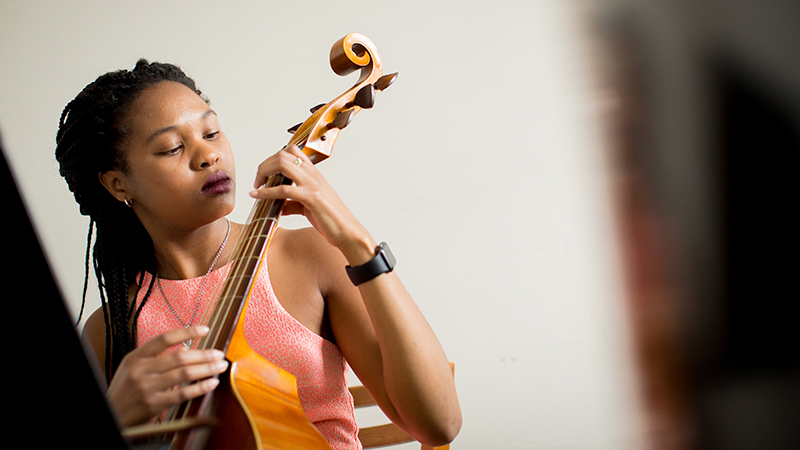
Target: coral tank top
[318, 364]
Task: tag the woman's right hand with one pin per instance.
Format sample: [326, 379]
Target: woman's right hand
[148, 381]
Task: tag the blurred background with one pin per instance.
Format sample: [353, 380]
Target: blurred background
[590, 201]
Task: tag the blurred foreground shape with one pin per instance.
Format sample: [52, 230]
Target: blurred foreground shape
[702, 107]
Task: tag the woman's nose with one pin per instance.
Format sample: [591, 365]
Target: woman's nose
[205, 155]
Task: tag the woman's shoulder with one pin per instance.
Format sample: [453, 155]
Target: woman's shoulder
[307, 250]
[94, 325]
[304, 244]
[94, 329]
[94, 333]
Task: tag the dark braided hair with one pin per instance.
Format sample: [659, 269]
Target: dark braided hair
[90, 132]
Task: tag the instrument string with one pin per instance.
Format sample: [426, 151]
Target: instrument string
[246, 247]
[256, 233]
[263, 216]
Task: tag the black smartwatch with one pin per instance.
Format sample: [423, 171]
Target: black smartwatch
[382, 262]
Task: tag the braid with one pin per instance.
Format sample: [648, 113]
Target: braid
[138, 310]
[86, 270]
[91, 129]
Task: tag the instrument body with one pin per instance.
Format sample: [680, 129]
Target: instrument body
[256, 405]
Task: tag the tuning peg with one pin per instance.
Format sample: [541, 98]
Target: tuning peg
[342, 119]
[385, 81]
[294, 129]
[365, 98]
[314, 109]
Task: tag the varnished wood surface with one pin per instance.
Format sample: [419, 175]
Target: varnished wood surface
[270, 393]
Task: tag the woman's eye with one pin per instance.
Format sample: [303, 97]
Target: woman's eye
[173, 150]
[212, 135]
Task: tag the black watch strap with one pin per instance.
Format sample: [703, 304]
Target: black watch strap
[382, 262]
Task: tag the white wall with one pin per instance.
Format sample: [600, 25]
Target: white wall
[482, 166]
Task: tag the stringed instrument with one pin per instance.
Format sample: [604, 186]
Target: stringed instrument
[256, 405]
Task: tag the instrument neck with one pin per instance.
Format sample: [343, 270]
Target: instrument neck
[246, 259]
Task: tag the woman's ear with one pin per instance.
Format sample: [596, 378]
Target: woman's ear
[114, 182]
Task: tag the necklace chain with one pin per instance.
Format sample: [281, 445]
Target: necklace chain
[188, 343]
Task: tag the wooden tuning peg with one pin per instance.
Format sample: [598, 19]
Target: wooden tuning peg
[314, 109]
[342, 119]
[365, 98]
[385, 81]
[294, 129]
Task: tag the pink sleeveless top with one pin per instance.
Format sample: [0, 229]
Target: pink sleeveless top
[318, 364]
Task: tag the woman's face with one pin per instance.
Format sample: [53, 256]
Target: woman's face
[180, 171]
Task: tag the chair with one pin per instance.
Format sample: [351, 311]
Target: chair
[386, 434]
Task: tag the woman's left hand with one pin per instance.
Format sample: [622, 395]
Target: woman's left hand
[312, 196]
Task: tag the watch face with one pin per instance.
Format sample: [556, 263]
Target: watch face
[388, 256]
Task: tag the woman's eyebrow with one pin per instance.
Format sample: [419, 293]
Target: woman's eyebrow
[161, 131]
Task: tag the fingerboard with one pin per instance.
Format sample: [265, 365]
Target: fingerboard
[250, 248]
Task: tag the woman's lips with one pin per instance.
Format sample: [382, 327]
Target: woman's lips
[217, 183]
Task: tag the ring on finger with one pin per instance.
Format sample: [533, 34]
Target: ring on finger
[298, 161]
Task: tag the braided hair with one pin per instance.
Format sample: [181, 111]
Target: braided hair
[90, 133]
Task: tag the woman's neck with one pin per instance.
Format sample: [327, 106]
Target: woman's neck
[189, 255]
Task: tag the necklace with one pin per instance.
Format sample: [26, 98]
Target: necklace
[188, 343]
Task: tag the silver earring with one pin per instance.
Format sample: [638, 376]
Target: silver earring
[128, 203]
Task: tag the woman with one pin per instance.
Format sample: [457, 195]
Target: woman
[148, 162]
